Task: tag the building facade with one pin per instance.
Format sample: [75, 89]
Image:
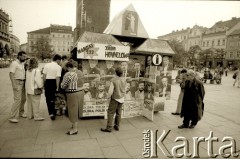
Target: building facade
[91, 15]
[24, 47]
[214, 39]
[59, 37]
[233, 46]
[4, 34]
[14, 44]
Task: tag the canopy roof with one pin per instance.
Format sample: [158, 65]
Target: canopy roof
[155, 46]
[127, 23]
[91, 37]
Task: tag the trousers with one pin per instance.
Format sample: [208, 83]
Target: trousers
[114, 107]
[19, 99]
[50, 87]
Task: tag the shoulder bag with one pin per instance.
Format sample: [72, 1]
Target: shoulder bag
[37, 91]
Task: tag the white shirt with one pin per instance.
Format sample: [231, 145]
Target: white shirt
[33, 80]
[17, 68]
[52, 70]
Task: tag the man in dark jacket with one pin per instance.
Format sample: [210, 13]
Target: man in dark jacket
[192, 106]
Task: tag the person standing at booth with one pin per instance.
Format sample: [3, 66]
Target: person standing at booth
[116, 92]
[17, 76]
[69, 84]
[51, 79]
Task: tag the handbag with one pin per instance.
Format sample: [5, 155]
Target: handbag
[234, 76]
[37, 91]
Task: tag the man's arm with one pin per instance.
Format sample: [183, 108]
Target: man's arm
[14, 85]
[57, 83]
[110, 91]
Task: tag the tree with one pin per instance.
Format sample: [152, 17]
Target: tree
[193, 54]
[42, 48]
[179, 57]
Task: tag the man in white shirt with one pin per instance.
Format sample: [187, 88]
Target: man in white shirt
[51, 79]
[18, 75]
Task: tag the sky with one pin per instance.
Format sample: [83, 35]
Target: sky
[159, 17]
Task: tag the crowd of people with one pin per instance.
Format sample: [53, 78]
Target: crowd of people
[63, 78]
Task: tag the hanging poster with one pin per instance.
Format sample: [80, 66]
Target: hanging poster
[148, 108]
[134, 97]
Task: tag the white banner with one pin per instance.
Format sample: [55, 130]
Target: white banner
[102, 52]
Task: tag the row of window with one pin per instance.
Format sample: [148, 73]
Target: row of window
[212, 43]
[47, 36]
[234, 43]
[54, 43]
[61, 35]
[3, 27]
[235, 54]
[55, 49]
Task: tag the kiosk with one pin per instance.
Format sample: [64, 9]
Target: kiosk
[146, 64]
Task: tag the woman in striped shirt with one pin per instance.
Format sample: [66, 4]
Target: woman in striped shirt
[69, 84]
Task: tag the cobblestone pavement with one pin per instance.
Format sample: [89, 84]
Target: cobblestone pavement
[47, 138]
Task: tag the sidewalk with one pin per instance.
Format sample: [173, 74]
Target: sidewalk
[47, 138]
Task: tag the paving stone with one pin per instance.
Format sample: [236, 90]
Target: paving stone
[80, 149]
[115, 152]
[108, 141]
[133, 146]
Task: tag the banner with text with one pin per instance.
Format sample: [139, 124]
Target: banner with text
[102, 51]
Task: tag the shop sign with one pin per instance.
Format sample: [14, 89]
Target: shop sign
[102, 51]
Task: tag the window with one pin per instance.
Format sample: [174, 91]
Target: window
[223, 42]
[204, 43]
[231, 54]
[212, 43]
[218, 43]
[53, 35]
[238, 54]
[207, 43]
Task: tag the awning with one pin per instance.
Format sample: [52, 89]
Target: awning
[151, 46]
[101, 47]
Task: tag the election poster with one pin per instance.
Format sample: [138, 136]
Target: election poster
[148, 108]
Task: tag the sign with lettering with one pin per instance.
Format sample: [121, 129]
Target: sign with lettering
[94, 110]
[102, 51]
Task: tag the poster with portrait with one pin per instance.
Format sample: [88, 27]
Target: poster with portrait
[148, 108]
[130, 23]
[96, 83]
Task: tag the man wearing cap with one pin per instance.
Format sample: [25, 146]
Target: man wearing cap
[192, 105]
[17, 76]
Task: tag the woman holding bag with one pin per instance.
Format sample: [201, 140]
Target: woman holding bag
[34, 85]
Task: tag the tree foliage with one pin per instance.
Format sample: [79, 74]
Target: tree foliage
[42, 49]
[179, 57]
[193, 54]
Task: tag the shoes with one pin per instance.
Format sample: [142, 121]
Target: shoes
[182, 126]
[116, 127]
[13, 120]
[106, 130]
[23, 115]
[175, 113]
[72, 133]
[39, 119]
[52, 117]
[192, 126]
